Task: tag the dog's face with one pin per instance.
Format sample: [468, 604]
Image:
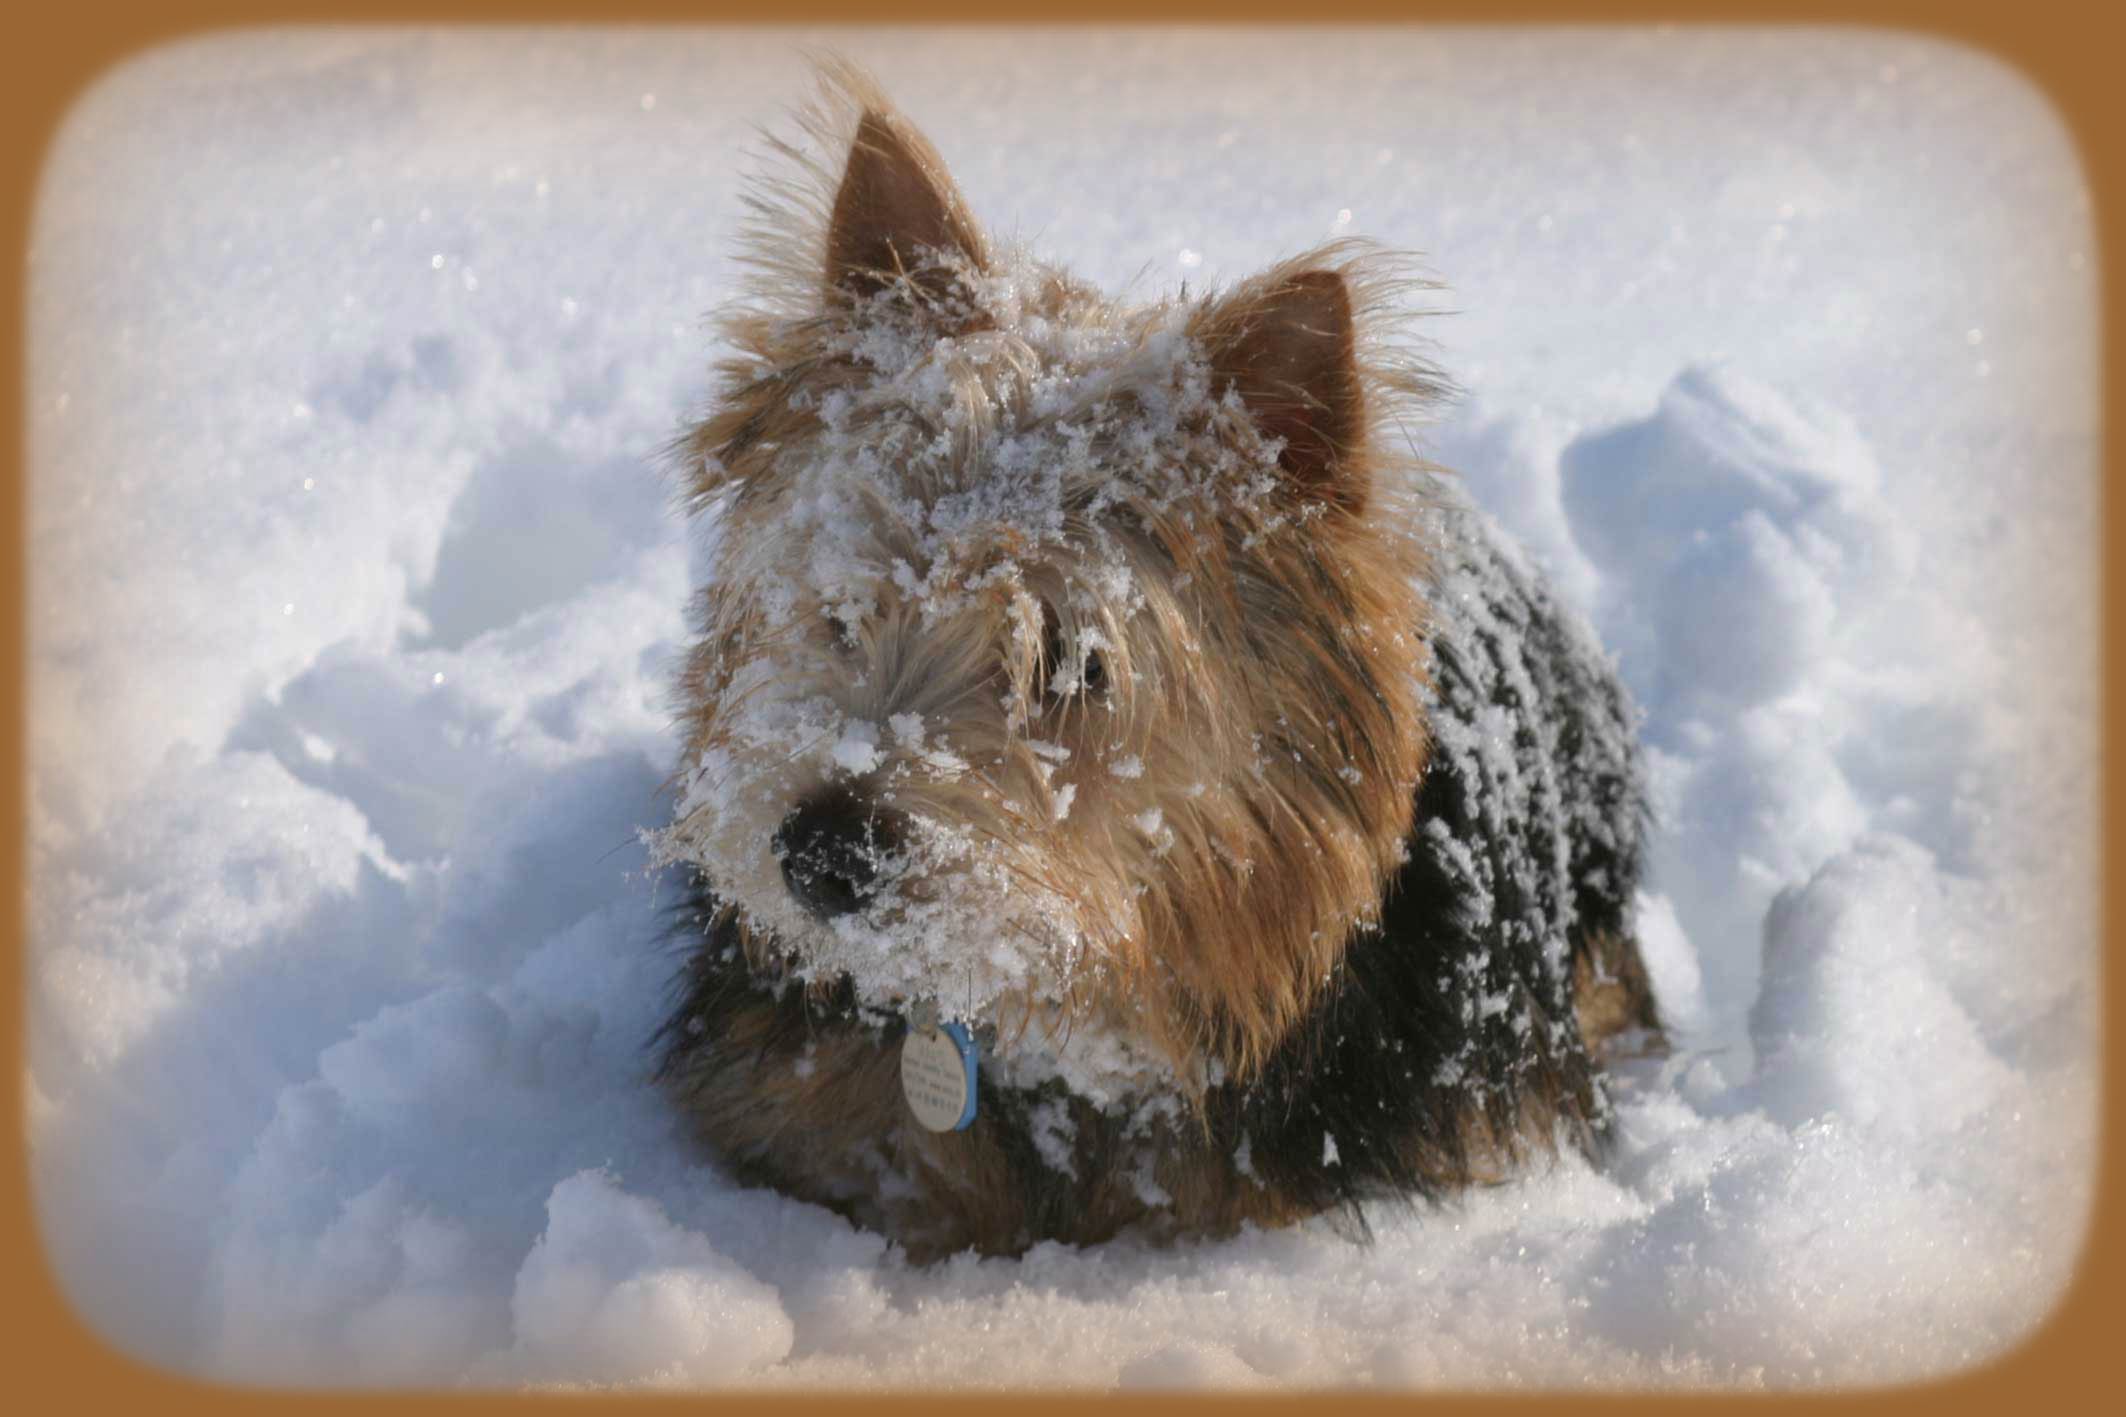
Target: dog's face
[1061, 661]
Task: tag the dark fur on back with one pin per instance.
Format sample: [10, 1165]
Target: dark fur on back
[1453, 1034]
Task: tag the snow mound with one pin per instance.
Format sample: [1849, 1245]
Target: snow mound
[1743, 520]
[614, 1292]
[1853, 1017]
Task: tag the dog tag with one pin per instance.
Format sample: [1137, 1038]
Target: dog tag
[937, 1075]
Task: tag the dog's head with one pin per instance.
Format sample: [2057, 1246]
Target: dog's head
[1061, 660]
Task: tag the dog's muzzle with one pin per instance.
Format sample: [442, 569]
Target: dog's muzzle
[833, 849]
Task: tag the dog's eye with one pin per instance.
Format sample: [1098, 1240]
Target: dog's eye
[1094, 680]
[1057, 663]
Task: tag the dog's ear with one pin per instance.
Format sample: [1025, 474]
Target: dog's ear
[895, 212]
[1287, 345]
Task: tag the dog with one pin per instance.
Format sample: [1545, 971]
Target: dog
[1122, 789]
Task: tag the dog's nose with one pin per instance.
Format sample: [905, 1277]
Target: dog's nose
[831, 850]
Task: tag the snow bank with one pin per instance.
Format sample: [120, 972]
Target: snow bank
[354, 603]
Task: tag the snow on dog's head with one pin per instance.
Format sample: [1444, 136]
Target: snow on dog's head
[1063, 659]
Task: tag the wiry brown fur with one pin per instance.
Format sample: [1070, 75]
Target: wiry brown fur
[1267, 670]
[1319, 637]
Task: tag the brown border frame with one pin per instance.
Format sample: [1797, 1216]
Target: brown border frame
[50, 58]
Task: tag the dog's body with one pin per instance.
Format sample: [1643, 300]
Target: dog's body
[1098, 677]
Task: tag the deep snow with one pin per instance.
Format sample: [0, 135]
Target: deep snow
[354, 594]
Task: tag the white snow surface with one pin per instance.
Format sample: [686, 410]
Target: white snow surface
[356, 595]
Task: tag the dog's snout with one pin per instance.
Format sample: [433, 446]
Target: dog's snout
[832, 850]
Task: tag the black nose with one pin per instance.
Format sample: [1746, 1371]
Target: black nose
[832, 848]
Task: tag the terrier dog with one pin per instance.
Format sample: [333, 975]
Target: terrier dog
[1120, 788]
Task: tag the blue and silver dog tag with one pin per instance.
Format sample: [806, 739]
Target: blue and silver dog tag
[938, 1072]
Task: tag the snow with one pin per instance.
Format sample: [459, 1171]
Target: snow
[614, 1290]
[355, 597]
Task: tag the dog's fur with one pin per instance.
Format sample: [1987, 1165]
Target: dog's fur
[1271, 824]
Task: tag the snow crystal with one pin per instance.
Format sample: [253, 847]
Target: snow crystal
[856, 751]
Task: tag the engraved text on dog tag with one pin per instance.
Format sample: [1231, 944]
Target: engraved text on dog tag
[937, 1074]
